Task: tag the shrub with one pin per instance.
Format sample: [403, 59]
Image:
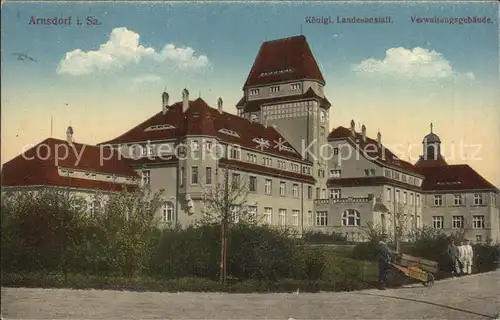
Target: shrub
[323, 238]
[366, 251]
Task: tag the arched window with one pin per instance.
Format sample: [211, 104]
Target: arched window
[168, 212]
[351, 218]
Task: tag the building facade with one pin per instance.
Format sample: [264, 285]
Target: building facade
[297, 172]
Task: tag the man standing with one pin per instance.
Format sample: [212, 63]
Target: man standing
[461, 256]
[469, 256]
[453, 254]
[385, 257]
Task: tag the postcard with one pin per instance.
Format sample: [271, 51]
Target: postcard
[344, 154]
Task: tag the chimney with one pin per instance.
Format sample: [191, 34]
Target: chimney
[164, 98]
[353, 128]
[185, 100]
[363, 132]
[379, 139]
[219, 104]
[69, 135]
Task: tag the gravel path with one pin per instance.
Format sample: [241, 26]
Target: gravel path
[471, 297]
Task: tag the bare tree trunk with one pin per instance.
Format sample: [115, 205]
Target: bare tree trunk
[222, 254]
[226, 238]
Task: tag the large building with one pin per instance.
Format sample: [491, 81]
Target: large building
[276, 146]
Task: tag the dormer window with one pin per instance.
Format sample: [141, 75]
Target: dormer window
[295, 86]
[229, 132]
[240, 112]
[253, 117]
[274, 89]
[254, 92]
[159, 127]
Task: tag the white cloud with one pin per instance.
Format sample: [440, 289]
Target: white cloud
[146, 78]
[123, 49]
[416, 63]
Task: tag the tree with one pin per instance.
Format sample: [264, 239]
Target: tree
[225, 203]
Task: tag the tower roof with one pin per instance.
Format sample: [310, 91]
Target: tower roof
[431, 137]
[285, 59]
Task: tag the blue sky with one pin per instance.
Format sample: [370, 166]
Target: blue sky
[229, 36]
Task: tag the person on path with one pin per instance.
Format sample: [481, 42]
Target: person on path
[385, 257]
[461, 256]
[469, 257]
[455, 261]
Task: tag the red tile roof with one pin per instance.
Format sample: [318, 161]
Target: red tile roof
[255, 105]
[454, 178]
[259, 169]
[423, 163]
[373, 150]
[284, 60]
[369, 181]
[39, 166]
[201, 119]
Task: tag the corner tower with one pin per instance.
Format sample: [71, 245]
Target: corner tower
[285, 89]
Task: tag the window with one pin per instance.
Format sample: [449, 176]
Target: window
[281, 164]
[235, 180]
[317, 193]
[268, 215]
[457, 200]
[321, 218]
[403, 178]
[323, 194]
[182, 176]
[268, 162]
[240, 112]
[306, 170]
[323, 116]
[335, 173]
[309, 192]
[282, 217]
[235, 213]
[397, 197]
[479, 238]
[146, 177]
[251, 157]
[295, 217]
[208, 175]
[208, 145]
[282, 188]
[295, 191]
[274, 89]
[478, 199]
[412, 197]
[252, 187]
[387, 173]
[267, 186]
[235, 153]
[438, 200]
[322, 131]
[254, 92]
[253, 117]
[168, 212]
[351, 218]
[396, 175]
[457, 222]
[389, 194]
[252, 212]
[405, 198]
[295, 167]
[148, 150]
[335, 193]
[295, 86]
[310, 218]
[335, 151]
[478, 222]
[94, 207]
[438, 222]
[369, 172]
[195, 145]
[194, 175]
[418, 200]
[412, 180]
